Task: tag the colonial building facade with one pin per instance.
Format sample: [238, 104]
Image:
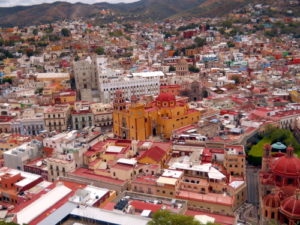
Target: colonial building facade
[140, 121]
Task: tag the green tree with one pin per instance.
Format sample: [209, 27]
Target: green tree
[272, 33]
[65, 32]
[29, 52]
[117, 33]
[230, 44]
[163, 217]
[38, 91]
[193, 69]
[172, 69]
[7, 223]
[35, 32]
[200, 42]
[6, 80]
[226, 24]
[99, 51]
[54, 38]
[49, 29]
[269, 130]
[236, 79]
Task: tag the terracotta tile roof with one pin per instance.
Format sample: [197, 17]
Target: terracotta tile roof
[139, 205]
[155, 153]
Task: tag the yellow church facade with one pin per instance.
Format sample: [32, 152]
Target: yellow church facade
[138, 121]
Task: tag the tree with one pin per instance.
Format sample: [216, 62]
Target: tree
[236, 79]
[117, 33]
[200, 42]
[226, 24]
[99, 51]
[54, 37]
[230, 44]
[163, 217]
[35, 32]
[38, 91]
[193, 69]
[7, 223]
[269, 129]
[29, 52]
[272, 33]
[6, 80]
[49, 29]
[65, 32]
[172, 69]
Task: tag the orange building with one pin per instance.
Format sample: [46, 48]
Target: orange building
[140, 121]
[13, 182]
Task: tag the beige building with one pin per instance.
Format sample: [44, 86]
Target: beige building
[102, 114]
[56, 117]
[182, 67]
[234, 160]
[59, 167]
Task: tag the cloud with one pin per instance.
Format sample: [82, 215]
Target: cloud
[9, 3]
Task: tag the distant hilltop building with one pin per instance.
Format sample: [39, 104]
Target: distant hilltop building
[138, 121]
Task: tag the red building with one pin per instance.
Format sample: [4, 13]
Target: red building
[279, 181]
[171, 89]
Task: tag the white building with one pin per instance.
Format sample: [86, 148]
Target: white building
[139, 84]
[16, 158]
[89, 72]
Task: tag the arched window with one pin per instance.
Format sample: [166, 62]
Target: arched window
[272, 215]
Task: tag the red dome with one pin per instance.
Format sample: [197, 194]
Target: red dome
[272, 200]
[286, 166]
[291, 206]
[165, 97]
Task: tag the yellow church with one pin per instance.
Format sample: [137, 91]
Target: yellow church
[138, 121]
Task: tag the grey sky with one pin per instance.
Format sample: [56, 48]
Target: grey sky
[8, 3]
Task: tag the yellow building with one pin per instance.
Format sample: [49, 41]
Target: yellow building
[139, 121]
[295, 96]
[68, 96]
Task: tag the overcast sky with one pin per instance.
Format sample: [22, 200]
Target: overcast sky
[8, 3]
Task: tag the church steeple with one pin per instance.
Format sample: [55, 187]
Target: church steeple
[266, 158]
[119, 101]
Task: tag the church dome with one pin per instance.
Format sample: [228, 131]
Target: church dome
[272, 200]
[291, 206]
[287, 165]
[165, 97]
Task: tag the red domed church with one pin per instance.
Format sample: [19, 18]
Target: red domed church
[279, 187]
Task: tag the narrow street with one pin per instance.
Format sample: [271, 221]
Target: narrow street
[252, 185]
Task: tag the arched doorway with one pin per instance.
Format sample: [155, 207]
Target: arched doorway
[154, 132]
[124, 135]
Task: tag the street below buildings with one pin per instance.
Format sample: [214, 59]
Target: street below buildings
[252, 185]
